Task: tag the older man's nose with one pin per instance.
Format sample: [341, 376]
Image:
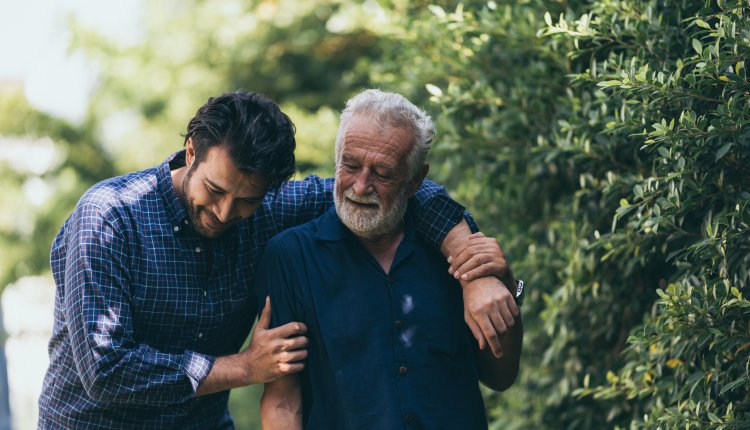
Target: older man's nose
[363, 183]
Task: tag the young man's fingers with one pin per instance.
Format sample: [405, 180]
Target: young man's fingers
[287, 368]
[290, 329]
[265, 317]
[296, 342]
[295, 356]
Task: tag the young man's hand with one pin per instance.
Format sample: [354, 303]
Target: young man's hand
[275, 352]
[272, 353]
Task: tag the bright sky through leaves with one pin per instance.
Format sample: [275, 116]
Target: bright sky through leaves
[35, 39]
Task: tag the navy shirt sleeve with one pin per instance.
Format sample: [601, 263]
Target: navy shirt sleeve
[113, 366]
[297, 202]
[276, 279]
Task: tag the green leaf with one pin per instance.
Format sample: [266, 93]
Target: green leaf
[734, 384]
[723, 150]
[607, 84]
[638, 191]
[698, 47]
[437, 11]
[434, 90]
[548, 19]
[702, 23]
[713, 417]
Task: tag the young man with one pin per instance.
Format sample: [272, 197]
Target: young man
[154, 268]
[389, 347]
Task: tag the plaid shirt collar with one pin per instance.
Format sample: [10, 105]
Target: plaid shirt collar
[176, 211]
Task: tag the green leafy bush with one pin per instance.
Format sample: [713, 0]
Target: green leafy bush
[679, 74]
[608, 148]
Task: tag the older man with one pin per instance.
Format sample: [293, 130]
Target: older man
[388, 345]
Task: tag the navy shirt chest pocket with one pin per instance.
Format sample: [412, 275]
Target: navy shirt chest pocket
[430, 310]
[350, 315]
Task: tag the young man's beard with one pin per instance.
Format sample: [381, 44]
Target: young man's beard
[369, 223]
[192, 210]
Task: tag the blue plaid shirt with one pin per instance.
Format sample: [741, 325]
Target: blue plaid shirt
[144, 304]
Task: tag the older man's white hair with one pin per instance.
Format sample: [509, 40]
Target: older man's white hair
[395, 111]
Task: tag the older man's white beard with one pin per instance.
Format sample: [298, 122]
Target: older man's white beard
[369, 222]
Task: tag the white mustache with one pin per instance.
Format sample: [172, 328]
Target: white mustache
[367, 199]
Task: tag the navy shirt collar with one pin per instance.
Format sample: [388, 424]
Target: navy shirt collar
[332, 229]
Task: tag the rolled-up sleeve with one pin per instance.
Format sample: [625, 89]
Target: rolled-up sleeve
[112, 365]
[437, 213]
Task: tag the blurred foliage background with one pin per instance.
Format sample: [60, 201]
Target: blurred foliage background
[605, 143]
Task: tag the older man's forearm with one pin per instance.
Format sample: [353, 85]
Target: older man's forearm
[281, 404]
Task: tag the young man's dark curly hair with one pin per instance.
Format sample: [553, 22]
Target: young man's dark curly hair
[258, 136]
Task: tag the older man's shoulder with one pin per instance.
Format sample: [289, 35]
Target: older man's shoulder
[297, 235]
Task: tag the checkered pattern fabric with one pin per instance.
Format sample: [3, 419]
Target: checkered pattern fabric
[144, 304]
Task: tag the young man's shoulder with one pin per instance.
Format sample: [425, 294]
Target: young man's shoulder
[121, 191]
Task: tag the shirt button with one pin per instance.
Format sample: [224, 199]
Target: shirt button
[402, 370]
[200, 335]
[409, 418]
[176, 228]
[198, 249]
[205, 293]
[391, 279]
[398, 325]
[185, 221]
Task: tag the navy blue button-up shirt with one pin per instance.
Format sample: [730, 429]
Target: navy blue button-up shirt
[144, 304]
[387, 351]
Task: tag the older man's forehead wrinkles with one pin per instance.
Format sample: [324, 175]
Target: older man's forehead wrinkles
[385, 158]
[385, 144]
[361, 137]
